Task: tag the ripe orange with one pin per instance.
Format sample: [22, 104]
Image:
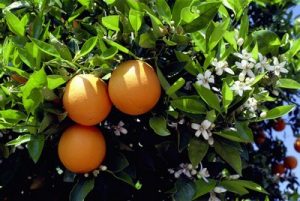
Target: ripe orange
[279, 125]
[81, 148]
[134, 87]
[297, 145]
[261, 137]
[86, 99]
[278, 169]
[290, 162]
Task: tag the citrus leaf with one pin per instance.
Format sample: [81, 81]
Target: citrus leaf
[278, 112]
[135, 19]
[87, 47]
[35, 147]
[20, 140]
[45, 47]
[55, 81]
[288, 84]
[189, 105]
[209, 97]
[111, 22]
[203, 187]
[159, 125]
[176, 86]
[14, 24]
[227, 95]
[81, 189]
[197, 150]
[233, 186]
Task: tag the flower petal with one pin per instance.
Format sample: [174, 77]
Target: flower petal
[195, 126]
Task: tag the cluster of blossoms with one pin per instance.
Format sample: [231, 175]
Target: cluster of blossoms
[118, 129]
[190, 171]
[248, 68]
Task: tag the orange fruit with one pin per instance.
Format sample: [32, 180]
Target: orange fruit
[86, 99]
[261, 137]
[297, 145]
[279, 125]
[81, 149]
[290, 162]
[134, 87]
[278, 169]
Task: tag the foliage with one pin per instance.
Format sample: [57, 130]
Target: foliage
[225, 73]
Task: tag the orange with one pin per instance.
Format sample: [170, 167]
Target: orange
[81, 149]
[278, 169]
[297, 145]
[279, 125]
[260, 138]
[86, 99]
[134, 87]
[290, 162]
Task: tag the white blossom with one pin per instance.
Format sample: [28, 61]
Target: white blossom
[221, 66]
[240, 42]
[245, 56]
[246, 68]
[119, 129]
[186, 169]
[251, 104]
[239, 87]
[204, 129]
[234, 177]
[203, 174]
[213, 196]
[205, 79]
[277, 67]
[262, 64]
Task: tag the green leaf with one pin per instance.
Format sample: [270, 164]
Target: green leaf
[159, 125]
[227, 96]
[189, 105]
[20, 140]
[177, 8]
[124, 177]
[288, 84]
[203, 187]
[258, 78]
[185, 190]
[209, 97]
[197, 150]
[164, 10]
[217, 34]
[120, 47]
[244, 26]
[87, 47]
[244, 131]
[111, 22]
[61, 48]
[32, 95]
[279, 111]
[109, 53]
[45, 47]
[14, 24]
[176, 86]
[12, 116]
[85, 3]
[116, 162]
[233, 186]
[230, 154]
[55, 81]
[35, 147]
[233, 136]
[268, 41]
[81, 189]
[109, 2]
[251, 185]
[147, 40]
[26, 58]
[294, 49]
[135, 19]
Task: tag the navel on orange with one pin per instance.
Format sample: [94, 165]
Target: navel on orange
[86, 99]
[134, 87]
[81, 149]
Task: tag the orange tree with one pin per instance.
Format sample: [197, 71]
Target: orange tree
[227, 74]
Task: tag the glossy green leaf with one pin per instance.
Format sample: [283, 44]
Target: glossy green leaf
[251, 185]
[45, 47]
[203, 187]
[288, 84]
[21, 139]
[185, 190]
[176, 86]
[14, 24]
[233, 186]
[81, 189]
[109, 53]
[120, 47]
[147, 40]
[164, 10]
[85, 3]
[227, 96]
[135, 19]
[35, 147]
[279, 111]
[61, 48]
[197, 150]
[230, 154]
[12, 116]
[268, 41]
[87, 47]
[111, 22]
[55, 81]
[209, 97]
[159, 125]
[189, 105]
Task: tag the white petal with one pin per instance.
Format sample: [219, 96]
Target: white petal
[219, 189]
[228, 70]
[205, 134]
[199, 82]
[242, 75]
[211, 79]
[123, 130]
[219, 71]
[250, 73]
[200, 76]
[275, 61]
[198, 133]
[283, 70]
[195, 126]
[211, 141]
[239, 65]
[206, 85]
[206, 124]
[240, 92]
[207, 74]
[121, 124]
[117, 132]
